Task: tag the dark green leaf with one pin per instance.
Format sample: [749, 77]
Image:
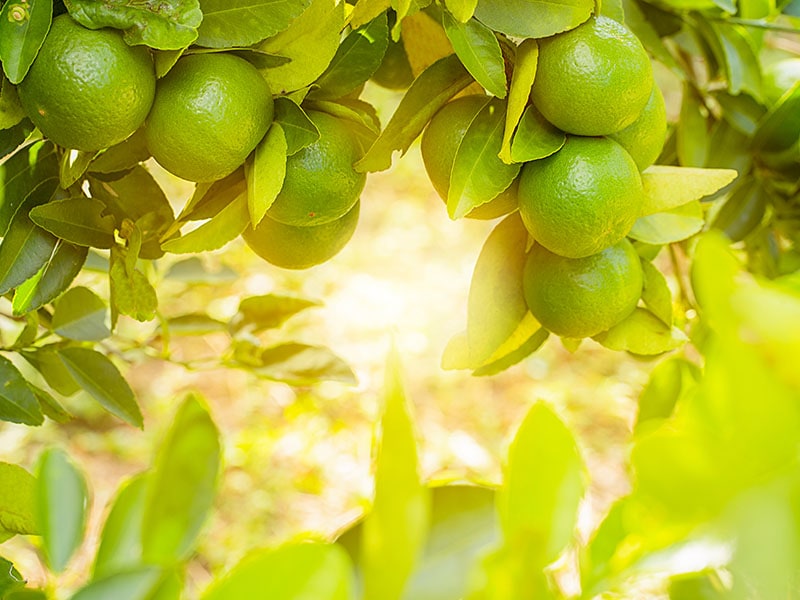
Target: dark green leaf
[50, 366]
[162, 25]
[478, 174]
[229, 23]
[11, 111]
[78, 220]
[23, 27]
[17, 503]
[298, 130]
[692, 132]
[357, 58]
[80, 314]
[50, 406]
[26, 248]
[395, 530]
[229, 223]
[743, 112]
[479, 51]
[292, 572]
[17, 402]
[10, 578]
[182, 484]
[265, 172]
[781, 127]
[310, 42]
[121, 539]
[13, 137]
[73, 165]
[294, 363]
[97, 375]
[739, 57]
[57, 274]
[533, 18]
[258, 313]
[645, 30]
[62, 504]
[535, 137]
[136, 584]
[21, 174]
[123, 156]
[742, 212]
[543, 485]
[429, 92]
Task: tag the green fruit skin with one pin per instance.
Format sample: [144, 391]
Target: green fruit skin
[321, 184]
[395, 71]
[592, 80]
[291, 247]
[581, 199]
[439, 145]
[210, 112]
[582, 297]
[87, 89]
[644, 138]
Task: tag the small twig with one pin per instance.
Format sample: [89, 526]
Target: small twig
[755, 24]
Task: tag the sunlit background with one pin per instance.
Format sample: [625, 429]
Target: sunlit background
[298, 460]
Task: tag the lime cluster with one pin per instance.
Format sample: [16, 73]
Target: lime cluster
[595, 84]
[88, 90]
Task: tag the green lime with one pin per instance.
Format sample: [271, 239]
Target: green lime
[293, 247]
[581, 297]
[87, 89]
[395, 71]
[644, 138]
[581, 199]
[321, 184]
[594, 79]
[210, 112]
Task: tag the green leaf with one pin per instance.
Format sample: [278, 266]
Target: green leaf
[62, 504]
[10, 578]
[97, 375]
[478, 175]
[80, 314]
[10, 141]
[17, 503]
[670, 382]
[259, 313]
[692, 132]
[655, 294]
[780, 128]
[293, 363]
[164, 25]
[182, 485]
[292, 572]
[533, 18]
[23, 27]
[140, 583]
[642, 333]
[22, 172]
[543, 486]
[52, 369]
[26, 248]
[535, 137]
[479, 51]
[670, 226]
[739, 57]
[225, 226]
[358, 57]
[55, 276]
[366, 10]
[668, 187]
[121, 539]
[50, 407]
[78, 220]
[311, 41]
[192, 272]
[194, 324]
[525, 63]
[123, 156]
[536, 338]
[395, 529]
[429, 92]
[229, 23]
[496, 304]
[132, 294]
[298, 130]
[636, 20]
[461, 9]
[742, 112]
[11, 111]
[17, 402]
[742, 212]
[265, 172]
[73, 165]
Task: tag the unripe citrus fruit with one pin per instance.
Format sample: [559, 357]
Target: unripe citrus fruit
[320, 184]
[439, 145]
[779, 77]
[210, 112]
[87, 89]
[644, 138]
[395, 70]
[594, 79]
[293, 247]
[580, 297]
[581, 199]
